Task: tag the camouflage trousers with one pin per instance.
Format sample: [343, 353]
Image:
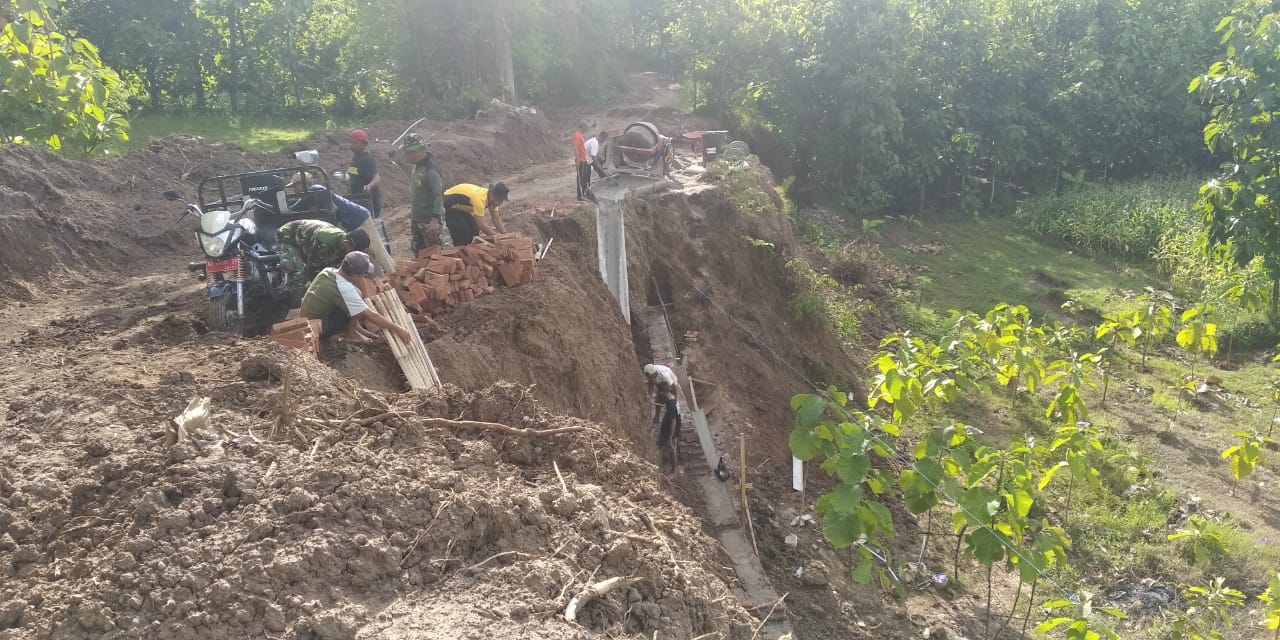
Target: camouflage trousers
[424, 236]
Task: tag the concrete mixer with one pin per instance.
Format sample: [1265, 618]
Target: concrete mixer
[631, 152]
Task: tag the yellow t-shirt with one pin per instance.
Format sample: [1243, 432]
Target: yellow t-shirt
[470, 198]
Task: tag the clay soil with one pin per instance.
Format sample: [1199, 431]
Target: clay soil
[324, 502]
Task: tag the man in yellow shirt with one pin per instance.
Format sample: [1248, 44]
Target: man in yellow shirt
[469, 208]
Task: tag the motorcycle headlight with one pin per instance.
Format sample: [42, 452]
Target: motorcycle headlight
[213, 222]
[214, 245]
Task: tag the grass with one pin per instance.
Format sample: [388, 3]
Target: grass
[984, 263]
[258, 134]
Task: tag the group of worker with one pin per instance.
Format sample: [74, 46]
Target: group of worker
[321, 257]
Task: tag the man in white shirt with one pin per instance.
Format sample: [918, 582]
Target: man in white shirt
[661, 380]
[595, 152]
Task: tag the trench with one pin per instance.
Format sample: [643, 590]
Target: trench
[700, 450]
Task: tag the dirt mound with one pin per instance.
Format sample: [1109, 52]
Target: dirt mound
[563, 335]
[485, 150]
[362, 519]
[724, 271]
[74, 222]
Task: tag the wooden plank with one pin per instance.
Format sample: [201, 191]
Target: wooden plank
[377, 251]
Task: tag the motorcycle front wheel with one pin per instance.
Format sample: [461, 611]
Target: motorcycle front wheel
[221, 315]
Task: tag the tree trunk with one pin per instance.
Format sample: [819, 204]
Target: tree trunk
[198, 72]
[233, 65]
[153, 87]
[1275, 299]
[506, 65]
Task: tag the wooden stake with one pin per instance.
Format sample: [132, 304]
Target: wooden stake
[742, 483]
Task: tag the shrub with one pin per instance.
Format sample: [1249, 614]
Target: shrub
[858, 263]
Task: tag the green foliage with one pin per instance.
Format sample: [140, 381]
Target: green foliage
[1198, 336]
[54, 89]
[745, 189]
[356, 58]
[1144, 327]
[1001, 514]
[1271, 598]
[1127, 220]
[1240, 206]
[822, 300]
[1202, 544]
[1078, 620]
[1208, 613]
[912, 101]
[1243, 457]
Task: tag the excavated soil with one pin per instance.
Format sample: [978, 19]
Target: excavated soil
[341, 527]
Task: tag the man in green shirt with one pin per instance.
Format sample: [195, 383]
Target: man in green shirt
[307, 246]
[334, 300]
[427, 197]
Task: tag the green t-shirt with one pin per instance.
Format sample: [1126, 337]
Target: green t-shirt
[330, 292]
[427, 198]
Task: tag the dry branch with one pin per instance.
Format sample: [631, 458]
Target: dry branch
[597, 590]
[470, 425]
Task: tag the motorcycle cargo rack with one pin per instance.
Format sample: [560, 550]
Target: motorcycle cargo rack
[268, 185]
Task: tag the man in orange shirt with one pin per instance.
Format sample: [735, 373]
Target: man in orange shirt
[583, 161]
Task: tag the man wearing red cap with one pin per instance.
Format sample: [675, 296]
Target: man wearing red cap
[363, 177]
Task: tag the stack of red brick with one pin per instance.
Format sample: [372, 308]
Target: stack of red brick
[437, 279]
[299, 334]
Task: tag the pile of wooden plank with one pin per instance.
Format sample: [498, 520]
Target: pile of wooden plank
[301, 334]
[414, 360]
[438, 280]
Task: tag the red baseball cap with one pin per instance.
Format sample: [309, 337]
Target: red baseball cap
[359, 135]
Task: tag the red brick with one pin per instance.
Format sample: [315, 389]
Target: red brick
[289, 326]
[418, 294]
[302, 343]
[530, 272]
[511, 273]
[428, 252]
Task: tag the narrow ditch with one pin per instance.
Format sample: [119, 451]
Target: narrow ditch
[699, 451]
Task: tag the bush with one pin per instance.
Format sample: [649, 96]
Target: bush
[858, 263]
[1128, 220]
[821, 300]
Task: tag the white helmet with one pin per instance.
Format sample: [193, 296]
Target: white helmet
[650, 370]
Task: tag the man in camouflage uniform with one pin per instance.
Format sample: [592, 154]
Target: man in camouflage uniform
[427, 198]
[309, 246]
